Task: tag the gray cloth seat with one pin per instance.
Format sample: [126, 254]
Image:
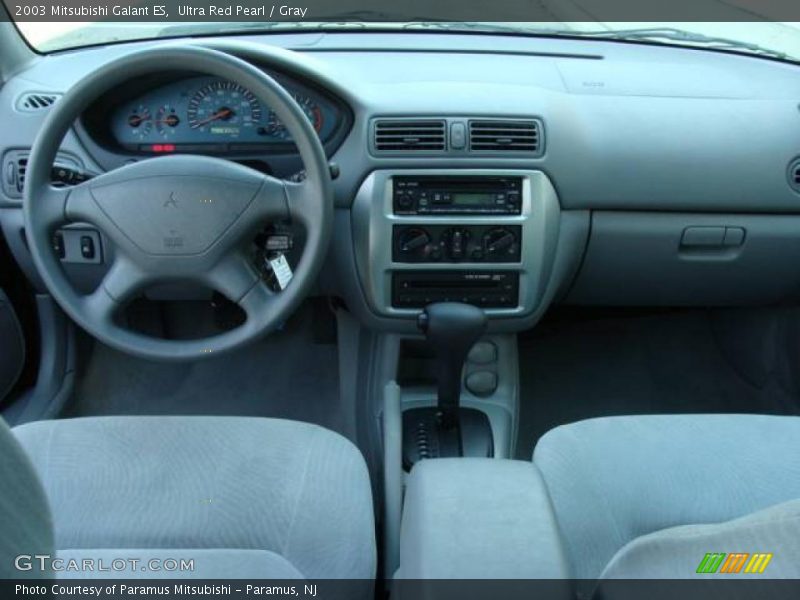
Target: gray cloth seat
[242, 497]
[655, 490]
[25, 520]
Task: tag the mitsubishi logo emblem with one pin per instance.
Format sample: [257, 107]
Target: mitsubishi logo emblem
[171, 201]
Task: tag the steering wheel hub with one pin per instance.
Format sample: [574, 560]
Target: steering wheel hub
[184, 211]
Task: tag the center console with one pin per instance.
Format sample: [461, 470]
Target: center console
[472, 518]
[428, 243]
[477, 236]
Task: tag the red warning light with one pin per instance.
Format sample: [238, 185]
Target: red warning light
[162, 148]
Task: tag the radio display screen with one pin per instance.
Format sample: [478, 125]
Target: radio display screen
[471, 199]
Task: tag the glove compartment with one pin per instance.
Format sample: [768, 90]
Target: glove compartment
[687, 259]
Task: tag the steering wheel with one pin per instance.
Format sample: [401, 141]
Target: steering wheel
[178, 218]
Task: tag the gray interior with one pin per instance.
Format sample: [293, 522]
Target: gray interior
[652, 329]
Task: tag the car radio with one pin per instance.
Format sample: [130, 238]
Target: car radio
[467, 195]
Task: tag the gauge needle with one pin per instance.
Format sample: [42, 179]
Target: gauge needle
[218, 115]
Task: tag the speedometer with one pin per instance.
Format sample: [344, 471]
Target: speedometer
[223, 108]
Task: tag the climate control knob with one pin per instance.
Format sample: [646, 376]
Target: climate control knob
[499, 242]
[413, 242]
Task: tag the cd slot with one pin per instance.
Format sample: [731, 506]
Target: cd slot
[487, 289]
[459, 284]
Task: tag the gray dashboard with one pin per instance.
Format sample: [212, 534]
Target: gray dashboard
[641, 143]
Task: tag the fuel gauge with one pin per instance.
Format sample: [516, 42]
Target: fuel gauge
[140, 121]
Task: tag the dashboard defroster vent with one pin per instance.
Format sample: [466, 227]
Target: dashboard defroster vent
[410, 135]
[36, 101]
[505, 136]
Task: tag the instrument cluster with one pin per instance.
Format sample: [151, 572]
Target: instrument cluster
[207, 114]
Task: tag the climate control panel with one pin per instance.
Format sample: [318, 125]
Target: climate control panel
[456, 243]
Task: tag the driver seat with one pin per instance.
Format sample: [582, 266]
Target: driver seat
[243, 497]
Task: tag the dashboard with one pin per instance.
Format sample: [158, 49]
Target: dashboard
[681, 189]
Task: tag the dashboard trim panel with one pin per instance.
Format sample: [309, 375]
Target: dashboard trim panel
[373, 221]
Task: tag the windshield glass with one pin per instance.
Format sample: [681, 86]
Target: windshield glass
[777, 39]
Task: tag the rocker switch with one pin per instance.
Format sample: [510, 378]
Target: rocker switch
[87, 247]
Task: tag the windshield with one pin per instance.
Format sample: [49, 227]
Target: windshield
[777, 39]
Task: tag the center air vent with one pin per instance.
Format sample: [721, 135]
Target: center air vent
[35, 101]
[409, 135]
[505, 136]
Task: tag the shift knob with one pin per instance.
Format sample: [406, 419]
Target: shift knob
[451, 328]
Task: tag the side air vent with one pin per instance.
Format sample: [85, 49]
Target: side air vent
[505, 136]
[410, 135]
[36, 101]
[66, 171]
[794, 175]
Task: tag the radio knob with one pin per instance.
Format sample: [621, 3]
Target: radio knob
[405, 201]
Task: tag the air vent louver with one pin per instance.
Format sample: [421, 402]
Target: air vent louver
[33, 102]
[504, 136]
[22, 166]
[410, 135]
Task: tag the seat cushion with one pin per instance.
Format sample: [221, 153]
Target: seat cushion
[769, 538]
[615, 479]
[295, 492]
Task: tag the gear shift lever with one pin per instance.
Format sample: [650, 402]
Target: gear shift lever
[451, 328]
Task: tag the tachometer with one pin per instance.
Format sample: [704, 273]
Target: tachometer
[311, 109]
[223, 108]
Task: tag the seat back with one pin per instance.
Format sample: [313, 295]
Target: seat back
[25, 520]
[615, 479]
